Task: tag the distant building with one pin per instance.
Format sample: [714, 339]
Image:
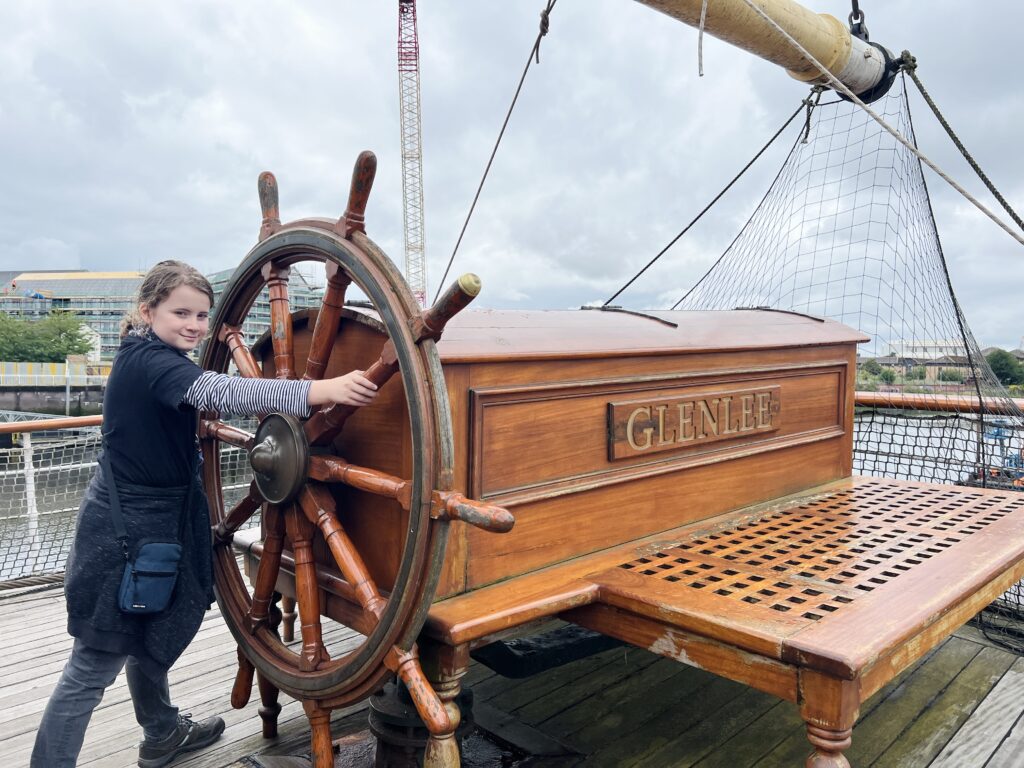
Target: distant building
[925, 349]
[95, 353]
[101, 299]
[303, 292]
[957, 365]
[903, 364]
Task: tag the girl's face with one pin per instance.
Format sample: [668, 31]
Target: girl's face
[182, 320]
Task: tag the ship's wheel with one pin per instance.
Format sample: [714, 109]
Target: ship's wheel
[298, 474]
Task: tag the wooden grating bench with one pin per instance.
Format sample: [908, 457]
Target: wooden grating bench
[821, 598]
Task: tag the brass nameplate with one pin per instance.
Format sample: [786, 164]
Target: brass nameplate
[637, 427]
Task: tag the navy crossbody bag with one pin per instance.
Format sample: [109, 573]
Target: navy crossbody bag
[151, 572]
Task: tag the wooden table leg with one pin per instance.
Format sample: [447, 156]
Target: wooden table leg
[829, 707]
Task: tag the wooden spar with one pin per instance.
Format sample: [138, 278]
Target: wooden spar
[942, 403]
[857, 64]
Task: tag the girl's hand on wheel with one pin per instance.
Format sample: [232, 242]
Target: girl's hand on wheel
[351, 389]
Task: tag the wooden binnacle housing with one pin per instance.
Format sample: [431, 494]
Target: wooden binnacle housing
[599, 428]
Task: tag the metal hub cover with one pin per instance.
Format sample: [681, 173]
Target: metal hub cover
[279, 458]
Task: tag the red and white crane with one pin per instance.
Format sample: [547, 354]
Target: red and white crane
[412, 157]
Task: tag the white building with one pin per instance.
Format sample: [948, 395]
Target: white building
[925, 349]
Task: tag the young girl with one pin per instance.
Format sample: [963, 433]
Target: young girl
[149, 436]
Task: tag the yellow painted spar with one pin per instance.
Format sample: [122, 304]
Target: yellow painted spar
[858, 65]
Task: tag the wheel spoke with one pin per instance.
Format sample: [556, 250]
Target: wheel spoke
[267, 189]
[329, 469]
[226, 434]
[325, 425]
[276, 278]
[406, 664]
[242, 688]
[327, 321]
[269, 567]
[244, 361]
[300, 531]
[318, 505]
[241, 512]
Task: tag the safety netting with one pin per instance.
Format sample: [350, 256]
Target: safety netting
[847, 232]
[43, 476]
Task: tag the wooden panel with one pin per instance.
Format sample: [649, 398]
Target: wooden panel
[528, 438]
[453, 574]
[560, 527]
[692, 420]
[756, 671]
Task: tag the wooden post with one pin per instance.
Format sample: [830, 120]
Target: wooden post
[829, 707]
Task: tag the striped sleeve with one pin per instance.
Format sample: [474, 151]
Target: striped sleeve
[240, 396]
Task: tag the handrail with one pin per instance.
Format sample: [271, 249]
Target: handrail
[914, 402]
[947, 403]
[73, 422]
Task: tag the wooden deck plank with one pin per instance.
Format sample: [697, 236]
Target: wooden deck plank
[875, 732]
[1010, 753]
[1000, 711]
[616, 700]
[958, 706]
[584, 688]
[508, 695]
[783, 721]
[200, 682]
[198, 686]
[924, 739]
[712, 732]
[634, 713]
[660, 730]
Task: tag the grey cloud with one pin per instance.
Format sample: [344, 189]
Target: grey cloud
[136, 131]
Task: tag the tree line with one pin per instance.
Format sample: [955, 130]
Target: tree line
[49, 340]
[1006, 367]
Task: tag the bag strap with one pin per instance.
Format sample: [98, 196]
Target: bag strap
[186, 505]
[115, 503]
[117, 517]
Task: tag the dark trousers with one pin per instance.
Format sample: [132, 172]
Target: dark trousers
[88, 673]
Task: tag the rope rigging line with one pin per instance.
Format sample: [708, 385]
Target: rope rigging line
[545, 24]
[958, 313]
[908, 64]
[715, 199]
[840, 87]
[757, 208]
[700, 38]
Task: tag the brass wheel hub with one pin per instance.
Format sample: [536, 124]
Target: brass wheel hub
[280, 458]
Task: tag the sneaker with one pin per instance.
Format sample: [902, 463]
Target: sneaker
[188, 736]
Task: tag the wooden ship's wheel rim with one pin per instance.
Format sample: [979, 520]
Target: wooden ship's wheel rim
[358, 673]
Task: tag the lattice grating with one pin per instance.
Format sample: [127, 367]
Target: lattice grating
[813, 558]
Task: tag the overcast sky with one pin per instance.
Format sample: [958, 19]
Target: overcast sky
[134, 131]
